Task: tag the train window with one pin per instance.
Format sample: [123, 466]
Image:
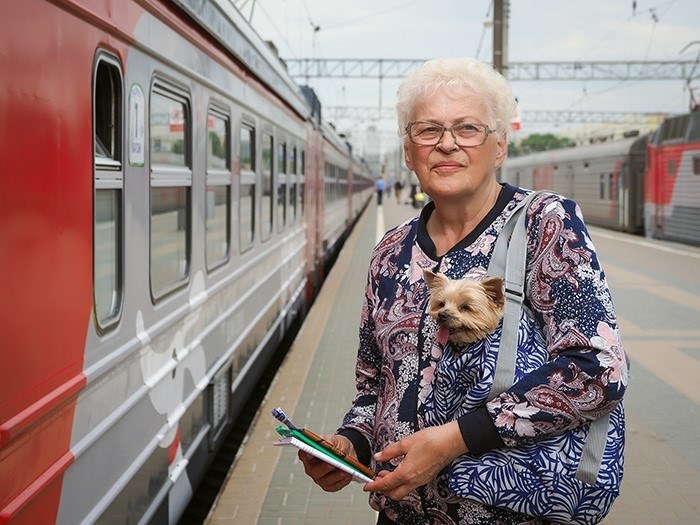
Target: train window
[246, 193]
[171, 183]
[696, 165]
[329, 182]
[612, 193]
[293, 159]
[218, 202]
[108, 226]
[302, 181]
[267, 186]
[671, 167]
[343, 187]
[293, 183]
[601, 187]
[247, 148]
[694, 127]
[281, 185]
[674, 129]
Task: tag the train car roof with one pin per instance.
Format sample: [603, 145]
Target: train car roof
[585, 152]
[227, 25]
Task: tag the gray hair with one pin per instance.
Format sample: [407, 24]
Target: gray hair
[457, 76]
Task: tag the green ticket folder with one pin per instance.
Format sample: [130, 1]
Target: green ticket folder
[291, 437]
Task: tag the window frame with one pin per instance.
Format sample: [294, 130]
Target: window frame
[108, 175]
[217, 177]
[267, 182]
[247, 178]
[281, 186]
[164, 175]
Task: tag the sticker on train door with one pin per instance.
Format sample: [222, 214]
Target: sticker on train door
[137, 123]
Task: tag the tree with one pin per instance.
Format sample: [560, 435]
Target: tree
[538, 142]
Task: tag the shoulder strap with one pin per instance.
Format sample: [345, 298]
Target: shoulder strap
[508, 261]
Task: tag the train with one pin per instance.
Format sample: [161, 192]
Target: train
[647, 185]
[171, 202]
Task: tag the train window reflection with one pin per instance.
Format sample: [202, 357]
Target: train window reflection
[107, 219]
[168, 136]
[302, 196]
[267, 186]
[218, 200]
[107, 254]
[171, 181]
[694, 126]
[169, 237]
[246, 198]
[247, 215]
[247, 148]
[281, 185]
[293, 183]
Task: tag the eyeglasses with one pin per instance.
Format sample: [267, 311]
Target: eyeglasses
[465, 135]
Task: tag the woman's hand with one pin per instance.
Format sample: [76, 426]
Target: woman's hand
[425, 453]
[328, 477]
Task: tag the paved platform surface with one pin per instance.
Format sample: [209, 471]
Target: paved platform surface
[656, 288]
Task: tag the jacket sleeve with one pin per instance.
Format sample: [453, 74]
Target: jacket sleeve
[567, 292]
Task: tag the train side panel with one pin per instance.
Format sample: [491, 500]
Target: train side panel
[189, 202]
[45, 245]
[672, 190]
[603, 179]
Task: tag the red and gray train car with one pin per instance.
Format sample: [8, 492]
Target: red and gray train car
[170, 199]
[647, 185]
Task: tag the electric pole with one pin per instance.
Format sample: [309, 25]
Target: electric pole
[500, 36]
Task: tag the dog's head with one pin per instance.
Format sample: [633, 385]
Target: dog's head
[465, 310]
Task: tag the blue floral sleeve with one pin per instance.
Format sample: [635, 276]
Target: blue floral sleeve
[569, 298]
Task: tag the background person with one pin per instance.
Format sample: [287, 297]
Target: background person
[398, 189]
[379, 186]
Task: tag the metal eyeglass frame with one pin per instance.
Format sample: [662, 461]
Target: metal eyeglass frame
[485, 128]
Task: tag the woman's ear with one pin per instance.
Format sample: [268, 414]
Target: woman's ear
[502, 150]
[407, 155]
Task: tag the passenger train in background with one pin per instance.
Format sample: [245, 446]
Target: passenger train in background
[170, 202]
[648, 185]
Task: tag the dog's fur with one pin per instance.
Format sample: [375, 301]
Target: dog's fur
[465, 310]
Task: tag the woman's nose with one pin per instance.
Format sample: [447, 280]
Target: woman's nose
[448, 141]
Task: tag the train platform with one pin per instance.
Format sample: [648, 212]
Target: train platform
[314, 385]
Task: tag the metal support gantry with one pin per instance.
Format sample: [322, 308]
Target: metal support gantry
[515, 71]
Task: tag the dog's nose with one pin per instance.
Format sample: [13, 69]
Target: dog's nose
[443, 316]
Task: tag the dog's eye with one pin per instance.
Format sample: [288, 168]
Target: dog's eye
[464, 308]
[441, 304]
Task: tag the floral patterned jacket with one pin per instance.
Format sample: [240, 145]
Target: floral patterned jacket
[571, 369]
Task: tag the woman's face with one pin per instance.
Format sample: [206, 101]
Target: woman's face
[447, 171]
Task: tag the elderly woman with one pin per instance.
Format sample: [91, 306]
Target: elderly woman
[432, 458]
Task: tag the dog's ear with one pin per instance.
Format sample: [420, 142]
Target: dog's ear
[434, 280]
[494, 289]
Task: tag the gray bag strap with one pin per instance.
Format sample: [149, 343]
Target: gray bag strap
[508, 261]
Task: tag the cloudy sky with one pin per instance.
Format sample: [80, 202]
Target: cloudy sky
[539, 30]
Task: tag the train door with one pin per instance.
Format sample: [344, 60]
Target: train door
[633, 186]
[623, 204]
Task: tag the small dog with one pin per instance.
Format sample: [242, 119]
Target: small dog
[465, 310]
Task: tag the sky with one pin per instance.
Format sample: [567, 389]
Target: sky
[538, 31]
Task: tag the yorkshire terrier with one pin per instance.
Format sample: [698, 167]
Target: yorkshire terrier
[464, 309]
